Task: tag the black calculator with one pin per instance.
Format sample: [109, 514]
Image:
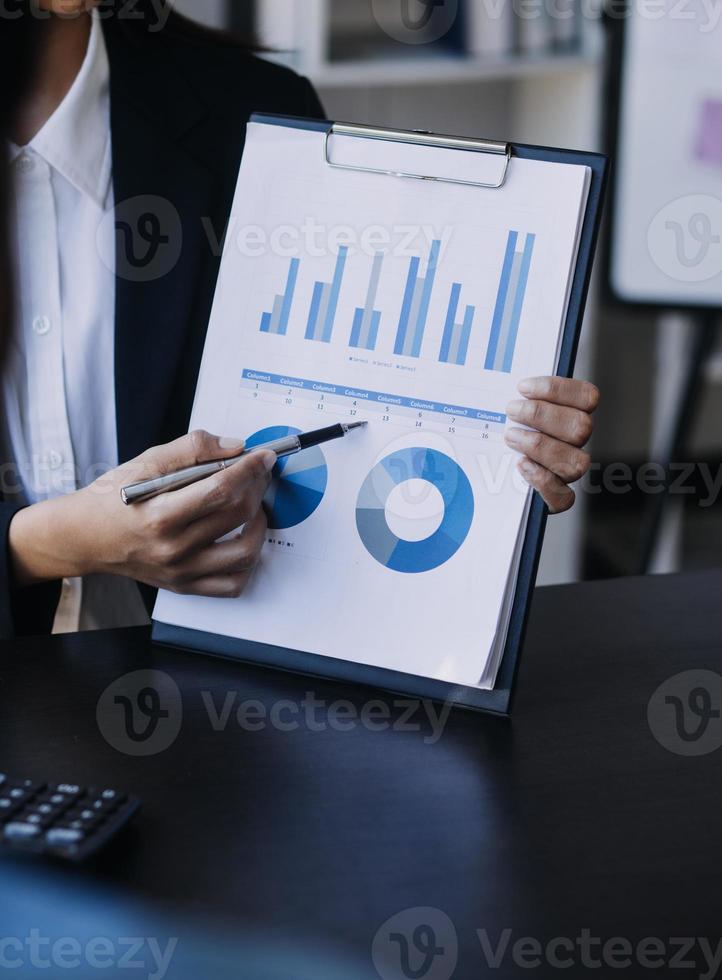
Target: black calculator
[61, 820]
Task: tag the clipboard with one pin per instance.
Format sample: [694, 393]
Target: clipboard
[499, 158]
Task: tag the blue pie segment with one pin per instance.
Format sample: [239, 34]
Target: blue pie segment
[415, 464]
[299, 482]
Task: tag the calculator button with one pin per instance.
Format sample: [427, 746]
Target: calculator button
[38, 819]
[56, 800]
[102, 808]
[83, 818]
[63, 837]
[110, 796]
[7, 807]
[21, 831]
[67, 789]
[3, 778]
[19, 795]
[81, 825]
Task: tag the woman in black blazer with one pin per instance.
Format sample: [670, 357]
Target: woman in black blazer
[180, 99]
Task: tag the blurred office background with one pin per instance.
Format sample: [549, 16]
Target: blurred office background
[544, 81]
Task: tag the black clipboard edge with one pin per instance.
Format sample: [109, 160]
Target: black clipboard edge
[499, 700]
[615, 25]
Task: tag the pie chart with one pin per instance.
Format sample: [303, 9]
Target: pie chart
[299, 481]
[408, 467]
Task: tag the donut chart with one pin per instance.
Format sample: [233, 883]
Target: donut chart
[431, 466]
[299, 482]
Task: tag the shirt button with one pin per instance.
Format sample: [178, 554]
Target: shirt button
[24, 163]
[41, 325]
[54, 459]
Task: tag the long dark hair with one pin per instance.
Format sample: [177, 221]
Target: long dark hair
[17, 46]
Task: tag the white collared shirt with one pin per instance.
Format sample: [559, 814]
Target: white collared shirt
[58, 385]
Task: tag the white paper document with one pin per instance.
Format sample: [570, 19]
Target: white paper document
[417, 306]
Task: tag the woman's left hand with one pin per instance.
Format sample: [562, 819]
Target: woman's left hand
[559, 411]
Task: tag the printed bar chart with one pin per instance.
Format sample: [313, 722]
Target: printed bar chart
[366, 320]
[509, 303]
[455, 342]
[324, 303]
[277, 320]
[415, 310]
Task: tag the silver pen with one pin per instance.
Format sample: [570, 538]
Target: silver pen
[287, 446]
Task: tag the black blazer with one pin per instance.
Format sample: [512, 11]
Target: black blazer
[180, 102]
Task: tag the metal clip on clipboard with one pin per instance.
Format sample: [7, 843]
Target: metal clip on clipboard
[420, 138]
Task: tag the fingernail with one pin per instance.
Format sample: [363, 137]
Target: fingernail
[226, 443]
[269, 460]
[515, 408]
[514, 437]
[526, 467]
[526, 387]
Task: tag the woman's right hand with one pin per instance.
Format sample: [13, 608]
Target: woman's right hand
[171, 541]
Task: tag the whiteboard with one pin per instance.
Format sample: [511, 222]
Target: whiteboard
[666, 237]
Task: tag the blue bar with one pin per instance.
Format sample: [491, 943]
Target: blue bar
[288, 296]
[466, 334]
[335, 292]
[450, 322]
[313, 315]
[406, 308]
[426, 298]
[356, 331]
[501, 300]
[375, 323]
[266, 323]
[519, 303]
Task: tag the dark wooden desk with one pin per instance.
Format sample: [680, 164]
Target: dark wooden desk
[572, 816]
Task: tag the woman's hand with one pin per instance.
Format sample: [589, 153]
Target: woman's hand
[560, 413]
[170, 542]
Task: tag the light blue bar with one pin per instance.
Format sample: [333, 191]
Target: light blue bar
[288, 295]
[313, 315]
[406, 308]
[450, 321]
[362, 333]
[519, 303]
[266, 323]
[334, 294]
[374, 281]
[466, 334]
[426, 298]
[501, 301]
[381, 397]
